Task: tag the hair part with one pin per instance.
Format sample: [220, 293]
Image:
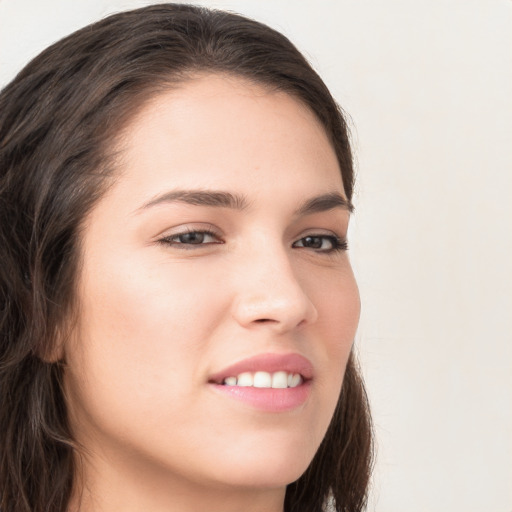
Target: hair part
[59, 119]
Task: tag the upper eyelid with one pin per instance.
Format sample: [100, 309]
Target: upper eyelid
[340, 235]
[185, 228]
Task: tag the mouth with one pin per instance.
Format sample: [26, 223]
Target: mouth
[268, 382]
[262, 379]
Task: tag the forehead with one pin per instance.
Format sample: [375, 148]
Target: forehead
[215, 128]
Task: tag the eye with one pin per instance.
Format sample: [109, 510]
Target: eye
[322, 243]
[190, 238]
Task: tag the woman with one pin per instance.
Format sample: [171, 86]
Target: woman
[178, 308]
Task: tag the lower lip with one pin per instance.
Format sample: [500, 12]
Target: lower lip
[268, 399]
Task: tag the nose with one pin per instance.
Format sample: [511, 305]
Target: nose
[270, 294]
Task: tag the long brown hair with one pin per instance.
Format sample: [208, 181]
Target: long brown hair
[58, 121]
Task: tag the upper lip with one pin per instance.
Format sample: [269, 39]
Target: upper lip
[291, 363]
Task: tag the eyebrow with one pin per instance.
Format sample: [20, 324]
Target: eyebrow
[323, 203]
[222, 199]
[215, 198]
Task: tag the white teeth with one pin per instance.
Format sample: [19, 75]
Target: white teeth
[262, 380]
[277, 380]
[280, 380]
[296, 380]
[245, 379]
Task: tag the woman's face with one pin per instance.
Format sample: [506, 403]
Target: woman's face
[219, 251]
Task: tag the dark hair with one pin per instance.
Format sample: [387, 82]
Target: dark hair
[58, 120]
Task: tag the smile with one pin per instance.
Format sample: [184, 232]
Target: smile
[274, 383]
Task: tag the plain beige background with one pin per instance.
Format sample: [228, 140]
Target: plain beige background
[428, 86]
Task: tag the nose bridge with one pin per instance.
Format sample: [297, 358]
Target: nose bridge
[268, 289]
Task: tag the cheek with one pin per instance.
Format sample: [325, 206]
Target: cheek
[337, 301]
[141, 332]
[336, 298]
[147, 309]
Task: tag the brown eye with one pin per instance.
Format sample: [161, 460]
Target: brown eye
[195, 237]
[190, 238]
[322, 243]
[313, 242]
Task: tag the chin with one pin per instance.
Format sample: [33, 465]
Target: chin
[265, 477]
[268, 468]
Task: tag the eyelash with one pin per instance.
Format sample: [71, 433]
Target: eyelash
[171, 239]
[337, 244]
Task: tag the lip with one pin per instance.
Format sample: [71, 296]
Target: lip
[272, 400]
[291, 363]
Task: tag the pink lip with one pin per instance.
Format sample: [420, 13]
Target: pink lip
[267, 399]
